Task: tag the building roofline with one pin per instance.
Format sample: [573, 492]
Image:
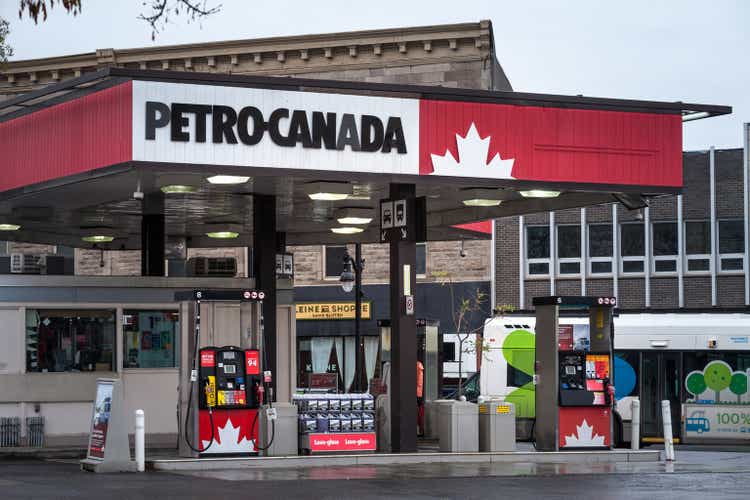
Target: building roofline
[70, 89]
[286, 42]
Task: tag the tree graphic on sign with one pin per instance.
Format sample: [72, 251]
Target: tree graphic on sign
[738, 385]
[717, 376]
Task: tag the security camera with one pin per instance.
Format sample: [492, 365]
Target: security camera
[462, 253]
[138, 195]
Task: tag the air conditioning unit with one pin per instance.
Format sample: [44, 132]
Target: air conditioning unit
[21, 263]
[212, 266]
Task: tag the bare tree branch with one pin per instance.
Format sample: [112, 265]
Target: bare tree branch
[35, 8]
[6, 50]
[161, 10]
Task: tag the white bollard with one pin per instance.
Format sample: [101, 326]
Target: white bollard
[666, 416]
[635, 425]
[140, 441]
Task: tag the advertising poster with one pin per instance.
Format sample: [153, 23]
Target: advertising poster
[565, 338]
[581, 338]
[100, 421]
[703, 421]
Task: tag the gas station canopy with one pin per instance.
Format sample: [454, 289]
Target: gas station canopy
[79, 157]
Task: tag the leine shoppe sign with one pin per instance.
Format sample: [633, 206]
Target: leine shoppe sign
[201, 124]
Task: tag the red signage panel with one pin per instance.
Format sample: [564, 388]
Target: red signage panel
[208, 359]
[74, 137]
[535, 143]
[585, 427]
[364, 441]
[252, 362]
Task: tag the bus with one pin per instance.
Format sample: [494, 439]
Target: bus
[657, 356]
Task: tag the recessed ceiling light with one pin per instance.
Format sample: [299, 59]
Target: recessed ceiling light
[222, 231]
[98, 238]
[228, 179]
[482, 202]
[346, 230]
[178, 189]
[481, 197]
[222, 235]
[328, 191]
[179, 183]
[539, 193]
[9, 227]
[354, 215]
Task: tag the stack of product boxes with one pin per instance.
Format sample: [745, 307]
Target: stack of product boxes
[321, 413]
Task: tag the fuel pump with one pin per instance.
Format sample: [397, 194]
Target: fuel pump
[229, 386]
[573, 369]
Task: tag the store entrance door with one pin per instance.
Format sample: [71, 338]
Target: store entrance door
[660, 380]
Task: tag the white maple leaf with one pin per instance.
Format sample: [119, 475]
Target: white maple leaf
[472, 159]
[228, 441]
[584, 436]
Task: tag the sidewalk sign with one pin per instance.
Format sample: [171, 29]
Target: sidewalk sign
[109, 448]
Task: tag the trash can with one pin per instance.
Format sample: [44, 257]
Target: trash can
[283, 430]
[431, 430]
[458, 427]
[497, 426]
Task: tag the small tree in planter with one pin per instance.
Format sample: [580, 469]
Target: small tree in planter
[462, 310]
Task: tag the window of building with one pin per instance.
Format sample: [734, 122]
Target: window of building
[421, 260]
[697, 247]
[664, 248]
[334, 261]
[731, 246]
[149, 338]
[76, 340]
[568, 250]
[537, 251]
[600, 249]
[632, 247]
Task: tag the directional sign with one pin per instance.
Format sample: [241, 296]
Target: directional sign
[386, 214]
[403, 220]
[399, 207]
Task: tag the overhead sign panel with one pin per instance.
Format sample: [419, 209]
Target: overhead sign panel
[182, 123]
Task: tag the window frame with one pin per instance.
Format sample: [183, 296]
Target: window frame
[121, 331]
[567, 260]
[631, 258]
[590, 259]
[664, 258]
[541, 260]
[326, 277]
[422, 275]
[736, 255]
[116, 363]
[687, 257]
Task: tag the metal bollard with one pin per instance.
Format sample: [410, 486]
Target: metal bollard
[140, 441]
[666, 416]
[635, 425]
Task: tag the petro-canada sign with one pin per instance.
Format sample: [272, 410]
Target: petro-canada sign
[180, 123]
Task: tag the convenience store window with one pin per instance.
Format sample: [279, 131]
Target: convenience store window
[70, 340]
[731, 246]
[149, 338]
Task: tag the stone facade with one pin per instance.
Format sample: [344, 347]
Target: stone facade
[457, 55]
[631, 290]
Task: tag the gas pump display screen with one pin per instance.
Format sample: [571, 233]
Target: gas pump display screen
[230, 369]
[228, 355]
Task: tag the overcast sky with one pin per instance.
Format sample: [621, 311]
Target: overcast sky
[686, 50]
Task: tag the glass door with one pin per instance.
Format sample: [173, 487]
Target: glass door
[660, 380]
[650, 400]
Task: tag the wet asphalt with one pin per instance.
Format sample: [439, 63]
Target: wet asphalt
[695, 474]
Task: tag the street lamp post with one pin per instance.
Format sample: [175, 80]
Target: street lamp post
[351, 278]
